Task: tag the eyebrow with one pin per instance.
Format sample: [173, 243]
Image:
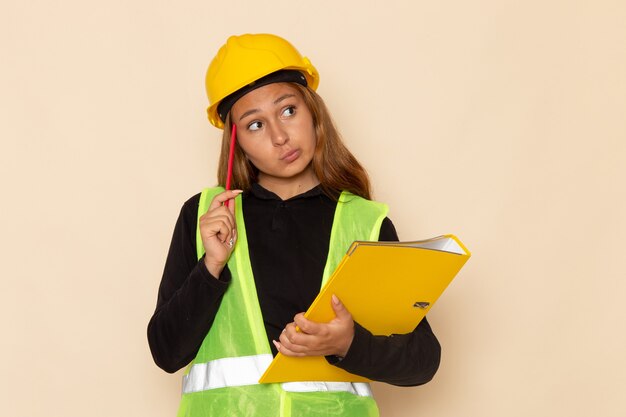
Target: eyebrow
[283, 97]
[277, 101]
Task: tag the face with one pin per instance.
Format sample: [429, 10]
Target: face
[275, 130]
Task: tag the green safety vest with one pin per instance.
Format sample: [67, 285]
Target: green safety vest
[223, 378]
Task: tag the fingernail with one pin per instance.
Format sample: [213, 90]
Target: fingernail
[335, 299]
[276, 344]
[237, 191]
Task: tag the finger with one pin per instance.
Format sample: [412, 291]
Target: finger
[210, 222]
[218, 228]
[224, 233]
[340, 310]
[229, 211]
[305, 325]
[233, 238]
[221, 198]
[292, 337]
[293, 344]
[231, 206]
[305, 345]
[285, 351]
[219, 213]
[290, 331]
[231, 217]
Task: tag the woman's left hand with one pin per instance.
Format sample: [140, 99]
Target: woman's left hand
[318, 339]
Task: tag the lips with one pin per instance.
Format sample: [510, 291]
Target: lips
[290, 156]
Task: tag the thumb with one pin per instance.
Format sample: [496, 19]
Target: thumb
[340, 310]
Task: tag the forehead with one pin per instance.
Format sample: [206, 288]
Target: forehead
[267, 95]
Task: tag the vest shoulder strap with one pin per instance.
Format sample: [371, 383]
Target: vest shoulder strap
[356, 218]
[205, 201]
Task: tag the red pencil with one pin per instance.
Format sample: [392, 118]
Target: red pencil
[231, 157]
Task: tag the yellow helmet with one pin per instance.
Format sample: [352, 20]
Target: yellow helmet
[247, 58]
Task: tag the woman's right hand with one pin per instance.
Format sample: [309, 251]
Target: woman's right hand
[218, 231]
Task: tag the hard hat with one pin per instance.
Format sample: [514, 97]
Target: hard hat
[247, 58]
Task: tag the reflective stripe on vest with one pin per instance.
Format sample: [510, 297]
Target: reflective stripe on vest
[226, 372]
[361, 389]
[246, 370]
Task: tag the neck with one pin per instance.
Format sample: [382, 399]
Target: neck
[286, 188]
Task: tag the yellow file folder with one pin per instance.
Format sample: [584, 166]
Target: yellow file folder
[388, 287]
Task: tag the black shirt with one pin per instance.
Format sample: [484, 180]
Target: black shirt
[288, 245]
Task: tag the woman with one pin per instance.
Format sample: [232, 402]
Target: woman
[244, 264]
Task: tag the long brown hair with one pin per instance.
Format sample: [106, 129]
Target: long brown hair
[334, 165]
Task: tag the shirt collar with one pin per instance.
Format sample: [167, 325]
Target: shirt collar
[264, 194]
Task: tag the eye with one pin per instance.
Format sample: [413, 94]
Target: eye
[255, 125]
[289, 111]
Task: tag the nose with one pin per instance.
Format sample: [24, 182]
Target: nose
[278, 134]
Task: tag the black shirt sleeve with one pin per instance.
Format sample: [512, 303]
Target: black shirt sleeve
[400, 359]
[189, 297]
